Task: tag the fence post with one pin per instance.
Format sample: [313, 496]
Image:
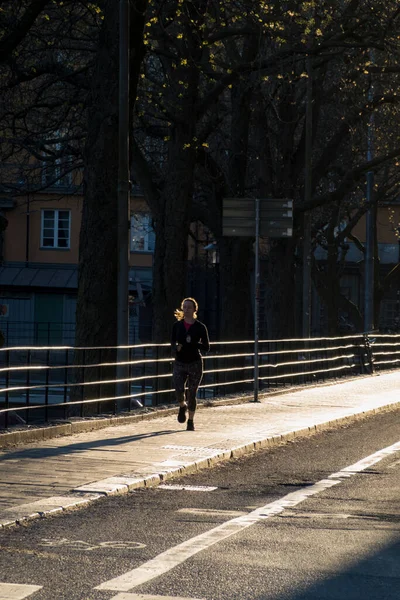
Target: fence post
[129, 383]
[46, 389]
[156, 381]
[83, 380]
[368, 350]
[28, 381]
[354, 347]
[66, 382]
[99, 378]
[7, 397]
[214, 368]
[364, 355]
[218, 387]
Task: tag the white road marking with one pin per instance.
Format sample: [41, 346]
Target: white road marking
[210, 512]
[310, 515]
[169, 559]
[147, 597]
[188, 488]
[16, 591]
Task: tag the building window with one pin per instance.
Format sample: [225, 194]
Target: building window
[56, 229]
[142, 233]
[57, 173]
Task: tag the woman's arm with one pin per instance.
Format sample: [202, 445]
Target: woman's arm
[204, 343]
[175, 346]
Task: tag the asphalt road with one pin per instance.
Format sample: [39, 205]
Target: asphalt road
[261, 536]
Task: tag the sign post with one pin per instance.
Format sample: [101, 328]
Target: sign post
[256, 298]
[257, 217]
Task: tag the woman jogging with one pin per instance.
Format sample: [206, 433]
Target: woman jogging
[189, 339]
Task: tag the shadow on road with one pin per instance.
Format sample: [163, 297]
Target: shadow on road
[374, 578]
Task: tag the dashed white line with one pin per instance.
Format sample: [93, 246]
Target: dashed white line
[211, 512]
[188, 488]
[169, 559]
[147, 597]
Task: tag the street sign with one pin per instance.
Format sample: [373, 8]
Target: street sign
[283, 232]
[275, 217]
[265, 203]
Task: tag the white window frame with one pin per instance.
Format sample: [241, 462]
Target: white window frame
[142, 233]
[56, 230]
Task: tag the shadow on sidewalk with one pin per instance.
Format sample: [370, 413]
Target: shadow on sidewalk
[39, 453]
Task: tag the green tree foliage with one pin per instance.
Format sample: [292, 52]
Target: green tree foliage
[220, 111]
[249, 130]
[46, 53]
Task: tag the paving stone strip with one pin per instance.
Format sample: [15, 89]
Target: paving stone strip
[53, 475]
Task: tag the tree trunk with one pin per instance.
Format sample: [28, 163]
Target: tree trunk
[172, 230]
[173, 210]
[236, 255]
[280, 297]
[96, 313]
[236, 263]
[327, 284]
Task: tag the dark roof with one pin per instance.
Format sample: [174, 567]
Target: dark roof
[50, 277]
[39, 277]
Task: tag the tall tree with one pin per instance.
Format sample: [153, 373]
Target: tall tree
[222, 91]
[96, 316]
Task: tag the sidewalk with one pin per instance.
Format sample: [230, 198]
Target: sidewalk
[60, 473]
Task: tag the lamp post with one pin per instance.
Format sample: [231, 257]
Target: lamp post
[122, 388]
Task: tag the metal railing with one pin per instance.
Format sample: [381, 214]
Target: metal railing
[53, 383]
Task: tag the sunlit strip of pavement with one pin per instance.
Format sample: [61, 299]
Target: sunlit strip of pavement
[40, 508]
[81, 468]
[17, 591]
[175, 556]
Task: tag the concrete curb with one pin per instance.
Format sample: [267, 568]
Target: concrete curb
[32, 434]
[124, 484]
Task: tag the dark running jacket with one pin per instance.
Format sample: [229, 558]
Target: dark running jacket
[199, 341]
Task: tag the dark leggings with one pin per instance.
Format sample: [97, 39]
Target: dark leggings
[190, 374]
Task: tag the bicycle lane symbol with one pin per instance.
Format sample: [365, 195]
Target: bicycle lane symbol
[86, 546]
